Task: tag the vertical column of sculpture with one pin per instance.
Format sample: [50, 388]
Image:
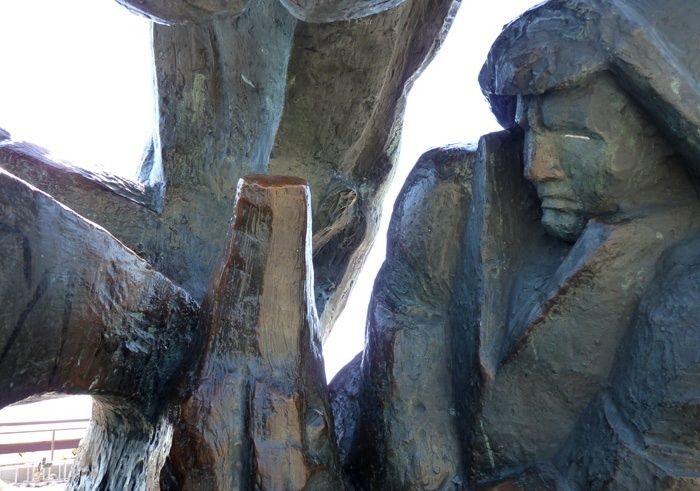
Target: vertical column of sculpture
[258, 416]
[408, 435]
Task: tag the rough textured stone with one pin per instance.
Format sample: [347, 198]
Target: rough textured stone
[123, 449]
[569, 371]
[531, 479]
[213, 129]
[643, 430]
[557, 375]
[587, 377]
[343, 394]
[506, 258]
[534, 325]
[548, 336]
[91, 302]
[645, 44]
[221, 76]
[359, 73]
[219, 111]
[408, 437]
[258, 416]
[459, 224]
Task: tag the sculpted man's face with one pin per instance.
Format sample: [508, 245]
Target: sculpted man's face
[589, 151]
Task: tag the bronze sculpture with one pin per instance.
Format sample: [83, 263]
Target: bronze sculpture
[535, 325]
[557, 301]
[237, 83]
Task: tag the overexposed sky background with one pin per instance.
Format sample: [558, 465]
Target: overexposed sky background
[78, 80]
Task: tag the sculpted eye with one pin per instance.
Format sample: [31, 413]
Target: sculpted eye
[579, 137]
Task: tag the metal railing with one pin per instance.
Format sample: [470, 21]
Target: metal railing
[28, 473]
[50, 445]
[14, 440]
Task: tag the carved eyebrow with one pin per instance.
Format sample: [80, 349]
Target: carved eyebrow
[570, 128]
[529, 115]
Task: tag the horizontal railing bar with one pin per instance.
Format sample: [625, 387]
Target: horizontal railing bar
[24, 465]
[43, 431]
[58, 421]
[38, 446]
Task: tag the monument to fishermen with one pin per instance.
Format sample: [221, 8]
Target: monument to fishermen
[536, 325]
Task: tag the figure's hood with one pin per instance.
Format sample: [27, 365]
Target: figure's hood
[651, 47]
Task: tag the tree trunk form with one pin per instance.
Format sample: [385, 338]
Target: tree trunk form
[83, 314]
[347, 152]
[222, 82]
[224, 90]
[258, 415]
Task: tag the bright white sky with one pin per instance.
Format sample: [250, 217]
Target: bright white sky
[77, 79]
[83, 88]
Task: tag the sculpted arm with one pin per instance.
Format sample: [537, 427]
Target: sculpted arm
[645, 427]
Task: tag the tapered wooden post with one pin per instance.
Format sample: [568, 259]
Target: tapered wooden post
[257, 416]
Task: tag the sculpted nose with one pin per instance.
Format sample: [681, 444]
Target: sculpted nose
[541, 159]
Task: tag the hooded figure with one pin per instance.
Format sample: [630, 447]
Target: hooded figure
[592, 381]
[650, 47]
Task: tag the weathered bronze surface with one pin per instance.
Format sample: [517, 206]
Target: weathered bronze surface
[77, 304]
[535, 324]
[258, 417]
[176, 11]
[254, 93]
[568, 350]
[224, 71]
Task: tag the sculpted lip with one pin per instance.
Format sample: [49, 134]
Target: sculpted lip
[557, 195]
[562, 203]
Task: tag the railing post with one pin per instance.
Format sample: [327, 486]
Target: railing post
[53, 443]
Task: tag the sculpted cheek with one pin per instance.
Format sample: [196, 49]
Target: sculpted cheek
[585, 163]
